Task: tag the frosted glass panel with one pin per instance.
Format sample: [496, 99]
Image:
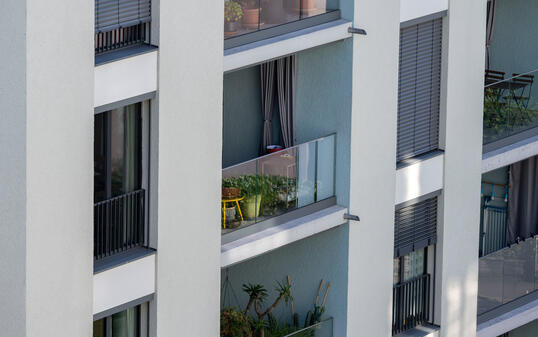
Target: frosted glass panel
[326, 167]
[306, 174]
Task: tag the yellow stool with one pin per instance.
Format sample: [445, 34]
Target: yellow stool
[224, 202]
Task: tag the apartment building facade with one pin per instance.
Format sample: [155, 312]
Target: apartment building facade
[329, 152]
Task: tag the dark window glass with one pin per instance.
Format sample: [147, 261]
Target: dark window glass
[409, 266]
[99, 150]
[126, 323]
[117, 152]
[99, 328]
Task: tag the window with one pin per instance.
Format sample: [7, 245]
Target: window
[119, 191]
[415, 226]
[409, 266]
[121, 23]
[117, 152]
[419, 88]
[122, 324]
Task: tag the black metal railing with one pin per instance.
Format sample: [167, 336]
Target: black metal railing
[410, 304]
[119, 224]
[122, 37]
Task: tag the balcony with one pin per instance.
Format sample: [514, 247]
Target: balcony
[278, 198]
[278, 183]
[247, 21]
[119, 224]
[510, 108]
[121, 23]
[410, 304]
[507, 274]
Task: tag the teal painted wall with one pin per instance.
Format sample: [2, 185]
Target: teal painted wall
[242, 120]
[242, 125]
[324, 103]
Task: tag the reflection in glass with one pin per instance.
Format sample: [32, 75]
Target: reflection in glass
[396, 271]
[117, 152]
[413, 264]
[246, 16]
[126, 323]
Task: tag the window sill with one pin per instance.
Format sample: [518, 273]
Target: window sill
[421, 331]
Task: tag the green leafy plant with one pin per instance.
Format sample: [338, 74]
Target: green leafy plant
[257, 295]
[235, 323]
[503, 116]
[232, 11]
[275, 191]
[247, 183]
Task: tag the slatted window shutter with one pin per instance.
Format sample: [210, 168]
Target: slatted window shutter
[415, 227]
[113, 14]
[419, 89]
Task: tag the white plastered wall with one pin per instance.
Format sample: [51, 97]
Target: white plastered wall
[47, 160]
[459, 212]
[189, 167]
[373, 162]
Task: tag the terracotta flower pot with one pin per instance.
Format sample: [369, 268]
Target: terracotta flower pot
[251, 18]
[230, 192]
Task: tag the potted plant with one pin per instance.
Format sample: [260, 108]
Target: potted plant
[235, 323]
[251, 14]
[232, 14]
[229, 189]
[250, 191]
[257, 295]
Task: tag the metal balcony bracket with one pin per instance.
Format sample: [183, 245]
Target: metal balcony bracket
[351, 217]
[353, 30]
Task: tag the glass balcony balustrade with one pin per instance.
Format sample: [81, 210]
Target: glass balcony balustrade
[510, 107]
[507, 274]
[278, 183]
[243, 17]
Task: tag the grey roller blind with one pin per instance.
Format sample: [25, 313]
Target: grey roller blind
[112, 14]
[419, 89]
[415, 226]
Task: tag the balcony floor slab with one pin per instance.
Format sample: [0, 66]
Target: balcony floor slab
[286, 44]
[275, 237]
[508, 316]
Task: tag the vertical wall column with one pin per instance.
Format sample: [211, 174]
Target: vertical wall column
[189, 167]
[46, 171]
[373, 167]
[460, 207]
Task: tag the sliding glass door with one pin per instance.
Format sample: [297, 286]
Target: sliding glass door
[122, 324]
[117, 152]
[119, 199]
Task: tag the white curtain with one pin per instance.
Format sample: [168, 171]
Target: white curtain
[267, 72]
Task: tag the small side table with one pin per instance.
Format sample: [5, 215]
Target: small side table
[232, 200]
